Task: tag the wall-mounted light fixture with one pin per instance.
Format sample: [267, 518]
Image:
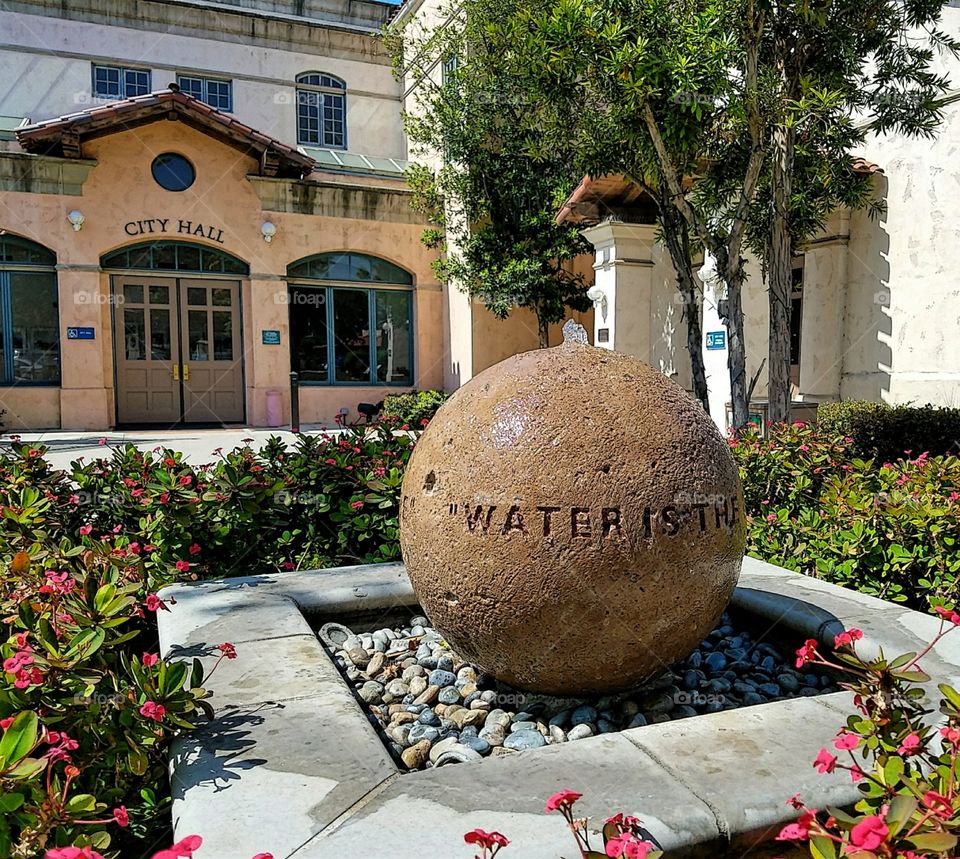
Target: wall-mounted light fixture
[599, 298]
[76, 218]
[269, 230]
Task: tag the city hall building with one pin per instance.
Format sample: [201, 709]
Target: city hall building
[198, 198]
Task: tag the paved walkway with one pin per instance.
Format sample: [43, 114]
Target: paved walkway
[198, 445]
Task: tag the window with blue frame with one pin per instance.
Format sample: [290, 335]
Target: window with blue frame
[29, 314]
[321, 110]
[118, 82]
[347, 333]
[213, 91]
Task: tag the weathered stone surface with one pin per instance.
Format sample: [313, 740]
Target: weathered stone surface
[578, 496]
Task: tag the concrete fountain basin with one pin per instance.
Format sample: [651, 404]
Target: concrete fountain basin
[291, 764]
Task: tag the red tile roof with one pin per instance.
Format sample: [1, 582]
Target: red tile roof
[65, 135]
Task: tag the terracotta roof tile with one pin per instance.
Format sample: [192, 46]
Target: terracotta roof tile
[46, 136]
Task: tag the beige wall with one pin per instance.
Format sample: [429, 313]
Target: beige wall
[46, 64]
[120, 190]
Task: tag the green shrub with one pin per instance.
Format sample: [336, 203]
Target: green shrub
[889, 530]
[888, 433]
[89, 707]
[413, 409]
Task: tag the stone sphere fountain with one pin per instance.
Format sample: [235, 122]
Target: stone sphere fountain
[572, 521]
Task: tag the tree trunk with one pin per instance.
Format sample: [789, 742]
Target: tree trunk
[543, 331]
[734, 276]
[780, 272]
[676, 235]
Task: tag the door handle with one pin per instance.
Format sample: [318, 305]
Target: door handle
[176, 372]
[186, 372]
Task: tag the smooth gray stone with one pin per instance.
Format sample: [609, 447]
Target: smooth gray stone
[335, 635]
[441, 678]
[578, 732]
[523, 726]
[457, 754]
[526, 739]
[584, 714]
[481, 747]
[423, 732]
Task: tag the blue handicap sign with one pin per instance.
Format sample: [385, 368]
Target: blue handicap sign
[716, 339]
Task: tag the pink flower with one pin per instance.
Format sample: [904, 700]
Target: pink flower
[771, 517]
[804, 447]
[102, 442]
[154, 603]
[330, 461]
[807, 652]
[182, 566]
[869, 833]
[627, 845]
[72, 853]
[194, 549]
[149, 660]
[263, 856]
[825, 762]
[120, 815]
[564, 799]
[856, 774]
[186, 480]
[152, 710]
[227, 649]
[938, 804]
[911, 745]
[948, 614]
[799, 831]
[185, 847]
[356, 505]
[951, 735]
[484, 840]
[847, 637]
[85, 531]
[6, 723]
[844, 742]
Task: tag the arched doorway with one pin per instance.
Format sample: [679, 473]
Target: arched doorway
[177, 333]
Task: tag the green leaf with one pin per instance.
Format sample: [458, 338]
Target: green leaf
[936, 842]
[902, 807]
[137, 759]
[10, 802]
[19, 739]
[81, 802]
[85, 643]
[28, 768]
[822, 848]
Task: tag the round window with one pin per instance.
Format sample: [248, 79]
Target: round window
[173, 172]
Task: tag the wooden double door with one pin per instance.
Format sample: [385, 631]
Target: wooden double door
[178, 347]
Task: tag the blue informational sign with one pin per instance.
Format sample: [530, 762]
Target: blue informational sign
[716, 339]
[81, 334]
[270, 338]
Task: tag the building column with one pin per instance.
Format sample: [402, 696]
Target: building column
[623, 285]
[86, 362]
[266, 365]
[822, 319]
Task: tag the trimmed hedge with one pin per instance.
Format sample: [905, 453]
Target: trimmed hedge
[888, 433]
[413, 409]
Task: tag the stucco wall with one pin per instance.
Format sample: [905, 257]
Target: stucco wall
[120, 192]
[46, 71]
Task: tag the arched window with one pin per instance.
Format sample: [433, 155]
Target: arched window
[29, 313]
[174, 256]
[321, 110]
[351, 320]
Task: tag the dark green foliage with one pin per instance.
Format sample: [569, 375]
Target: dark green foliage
[414, 408]
[887, 432]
